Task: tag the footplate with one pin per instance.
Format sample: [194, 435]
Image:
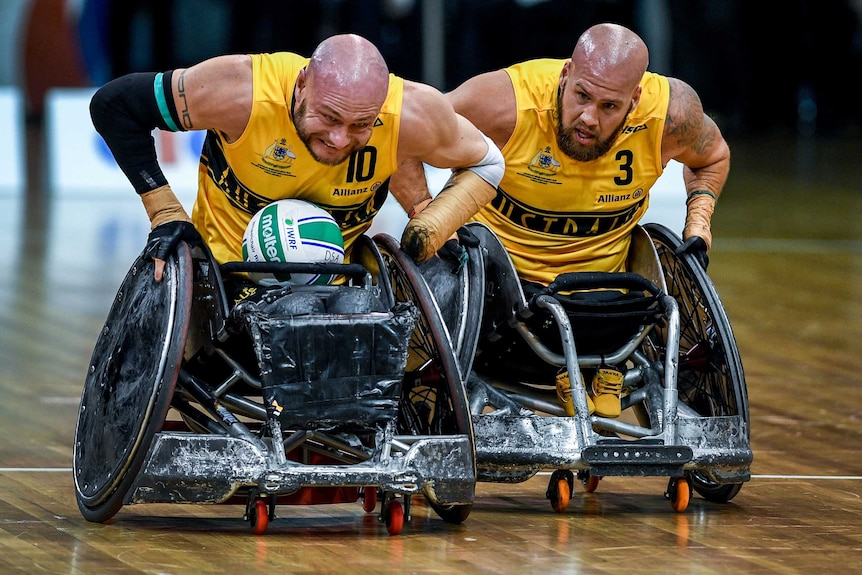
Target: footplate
[640, 458]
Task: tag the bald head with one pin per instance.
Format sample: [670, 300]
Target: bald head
[611, 50]
[338, 96]
[599, 87]
[348, 62]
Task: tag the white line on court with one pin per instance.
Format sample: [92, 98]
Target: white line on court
[832, 477]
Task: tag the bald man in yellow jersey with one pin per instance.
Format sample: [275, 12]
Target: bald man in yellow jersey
[584, 140]
[329, 129]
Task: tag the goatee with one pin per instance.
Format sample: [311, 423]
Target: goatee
[577, 151]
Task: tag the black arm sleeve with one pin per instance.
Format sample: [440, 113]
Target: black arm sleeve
[125, 112]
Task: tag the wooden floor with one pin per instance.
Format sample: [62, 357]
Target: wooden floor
[787, 263]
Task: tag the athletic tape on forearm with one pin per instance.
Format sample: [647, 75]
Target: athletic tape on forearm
[464, 194]
[492, 167]
[699, 209]
[163, 206]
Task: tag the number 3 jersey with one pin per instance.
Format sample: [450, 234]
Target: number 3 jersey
[269, 162]
[555, 214]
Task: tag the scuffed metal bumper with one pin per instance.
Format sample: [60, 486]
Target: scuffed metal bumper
[199, 468]
[512, 448]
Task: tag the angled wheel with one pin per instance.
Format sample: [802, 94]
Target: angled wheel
[455, 514]
[712, 491]
[459, 289]
[679, 493]
[711, 379]
[434, 400]
[369, 499]
[258, 516]
[589, 482]
[393, 516]
[130, 382]
[560, 488]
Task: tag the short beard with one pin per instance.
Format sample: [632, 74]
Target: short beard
[577, 151]
[299, 122]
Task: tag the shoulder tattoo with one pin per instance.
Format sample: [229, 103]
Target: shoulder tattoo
[686, 121]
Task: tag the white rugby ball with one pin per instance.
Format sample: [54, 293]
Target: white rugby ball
[292, 231]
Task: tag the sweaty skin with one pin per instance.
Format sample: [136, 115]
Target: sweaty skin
[336, 100]
[597, 89]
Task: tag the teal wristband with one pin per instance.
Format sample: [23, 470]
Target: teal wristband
[701, 193]
[159, 91]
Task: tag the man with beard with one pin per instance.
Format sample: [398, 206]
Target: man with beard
[584, 141]
[329, 129]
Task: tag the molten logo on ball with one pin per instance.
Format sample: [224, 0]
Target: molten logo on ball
[292, 231]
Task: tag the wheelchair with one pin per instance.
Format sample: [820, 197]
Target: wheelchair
[684, 404]
[300, 395]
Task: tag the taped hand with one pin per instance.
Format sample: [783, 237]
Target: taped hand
[696, 246]
[165, 238]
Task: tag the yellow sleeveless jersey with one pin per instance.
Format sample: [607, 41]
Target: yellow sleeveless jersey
[555, 214]
[269, 162]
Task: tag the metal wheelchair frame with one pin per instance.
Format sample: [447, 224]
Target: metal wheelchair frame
[229, 444]
[697, 435]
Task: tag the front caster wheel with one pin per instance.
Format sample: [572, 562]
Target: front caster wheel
[560, 489]
[393, 516]
[369, 499]
[589, 482]
[258, 517]
[679, 493]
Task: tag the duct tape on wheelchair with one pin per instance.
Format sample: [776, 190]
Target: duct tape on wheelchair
[324, 370]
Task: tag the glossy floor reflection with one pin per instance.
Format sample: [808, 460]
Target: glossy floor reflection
[787, 263]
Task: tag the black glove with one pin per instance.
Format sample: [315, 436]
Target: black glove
[467, 238]
[165, 238]
[696, 247]
[456, 250]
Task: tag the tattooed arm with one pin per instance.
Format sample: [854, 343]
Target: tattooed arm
[215, 94]
[693, 139]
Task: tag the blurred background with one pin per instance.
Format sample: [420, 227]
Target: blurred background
[771, 65]
[781, 78]
[778, 76]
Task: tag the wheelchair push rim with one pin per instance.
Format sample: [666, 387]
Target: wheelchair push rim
[710, 365]
[130, 382]
[433, 374]
[711, 379]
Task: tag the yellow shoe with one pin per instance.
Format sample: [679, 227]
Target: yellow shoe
[607, 386]
[564, 394]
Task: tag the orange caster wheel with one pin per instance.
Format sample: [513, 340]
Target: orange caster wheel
[258, 516]
[560, 489]
[589, 482]
[369, 499]
[679, 493]
[393, 515]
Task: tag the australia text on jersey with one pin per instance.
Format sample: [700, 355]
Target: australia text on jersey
[574, 224]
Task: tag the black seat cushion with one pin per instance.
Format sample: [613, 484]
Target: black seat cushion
[602, 321]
